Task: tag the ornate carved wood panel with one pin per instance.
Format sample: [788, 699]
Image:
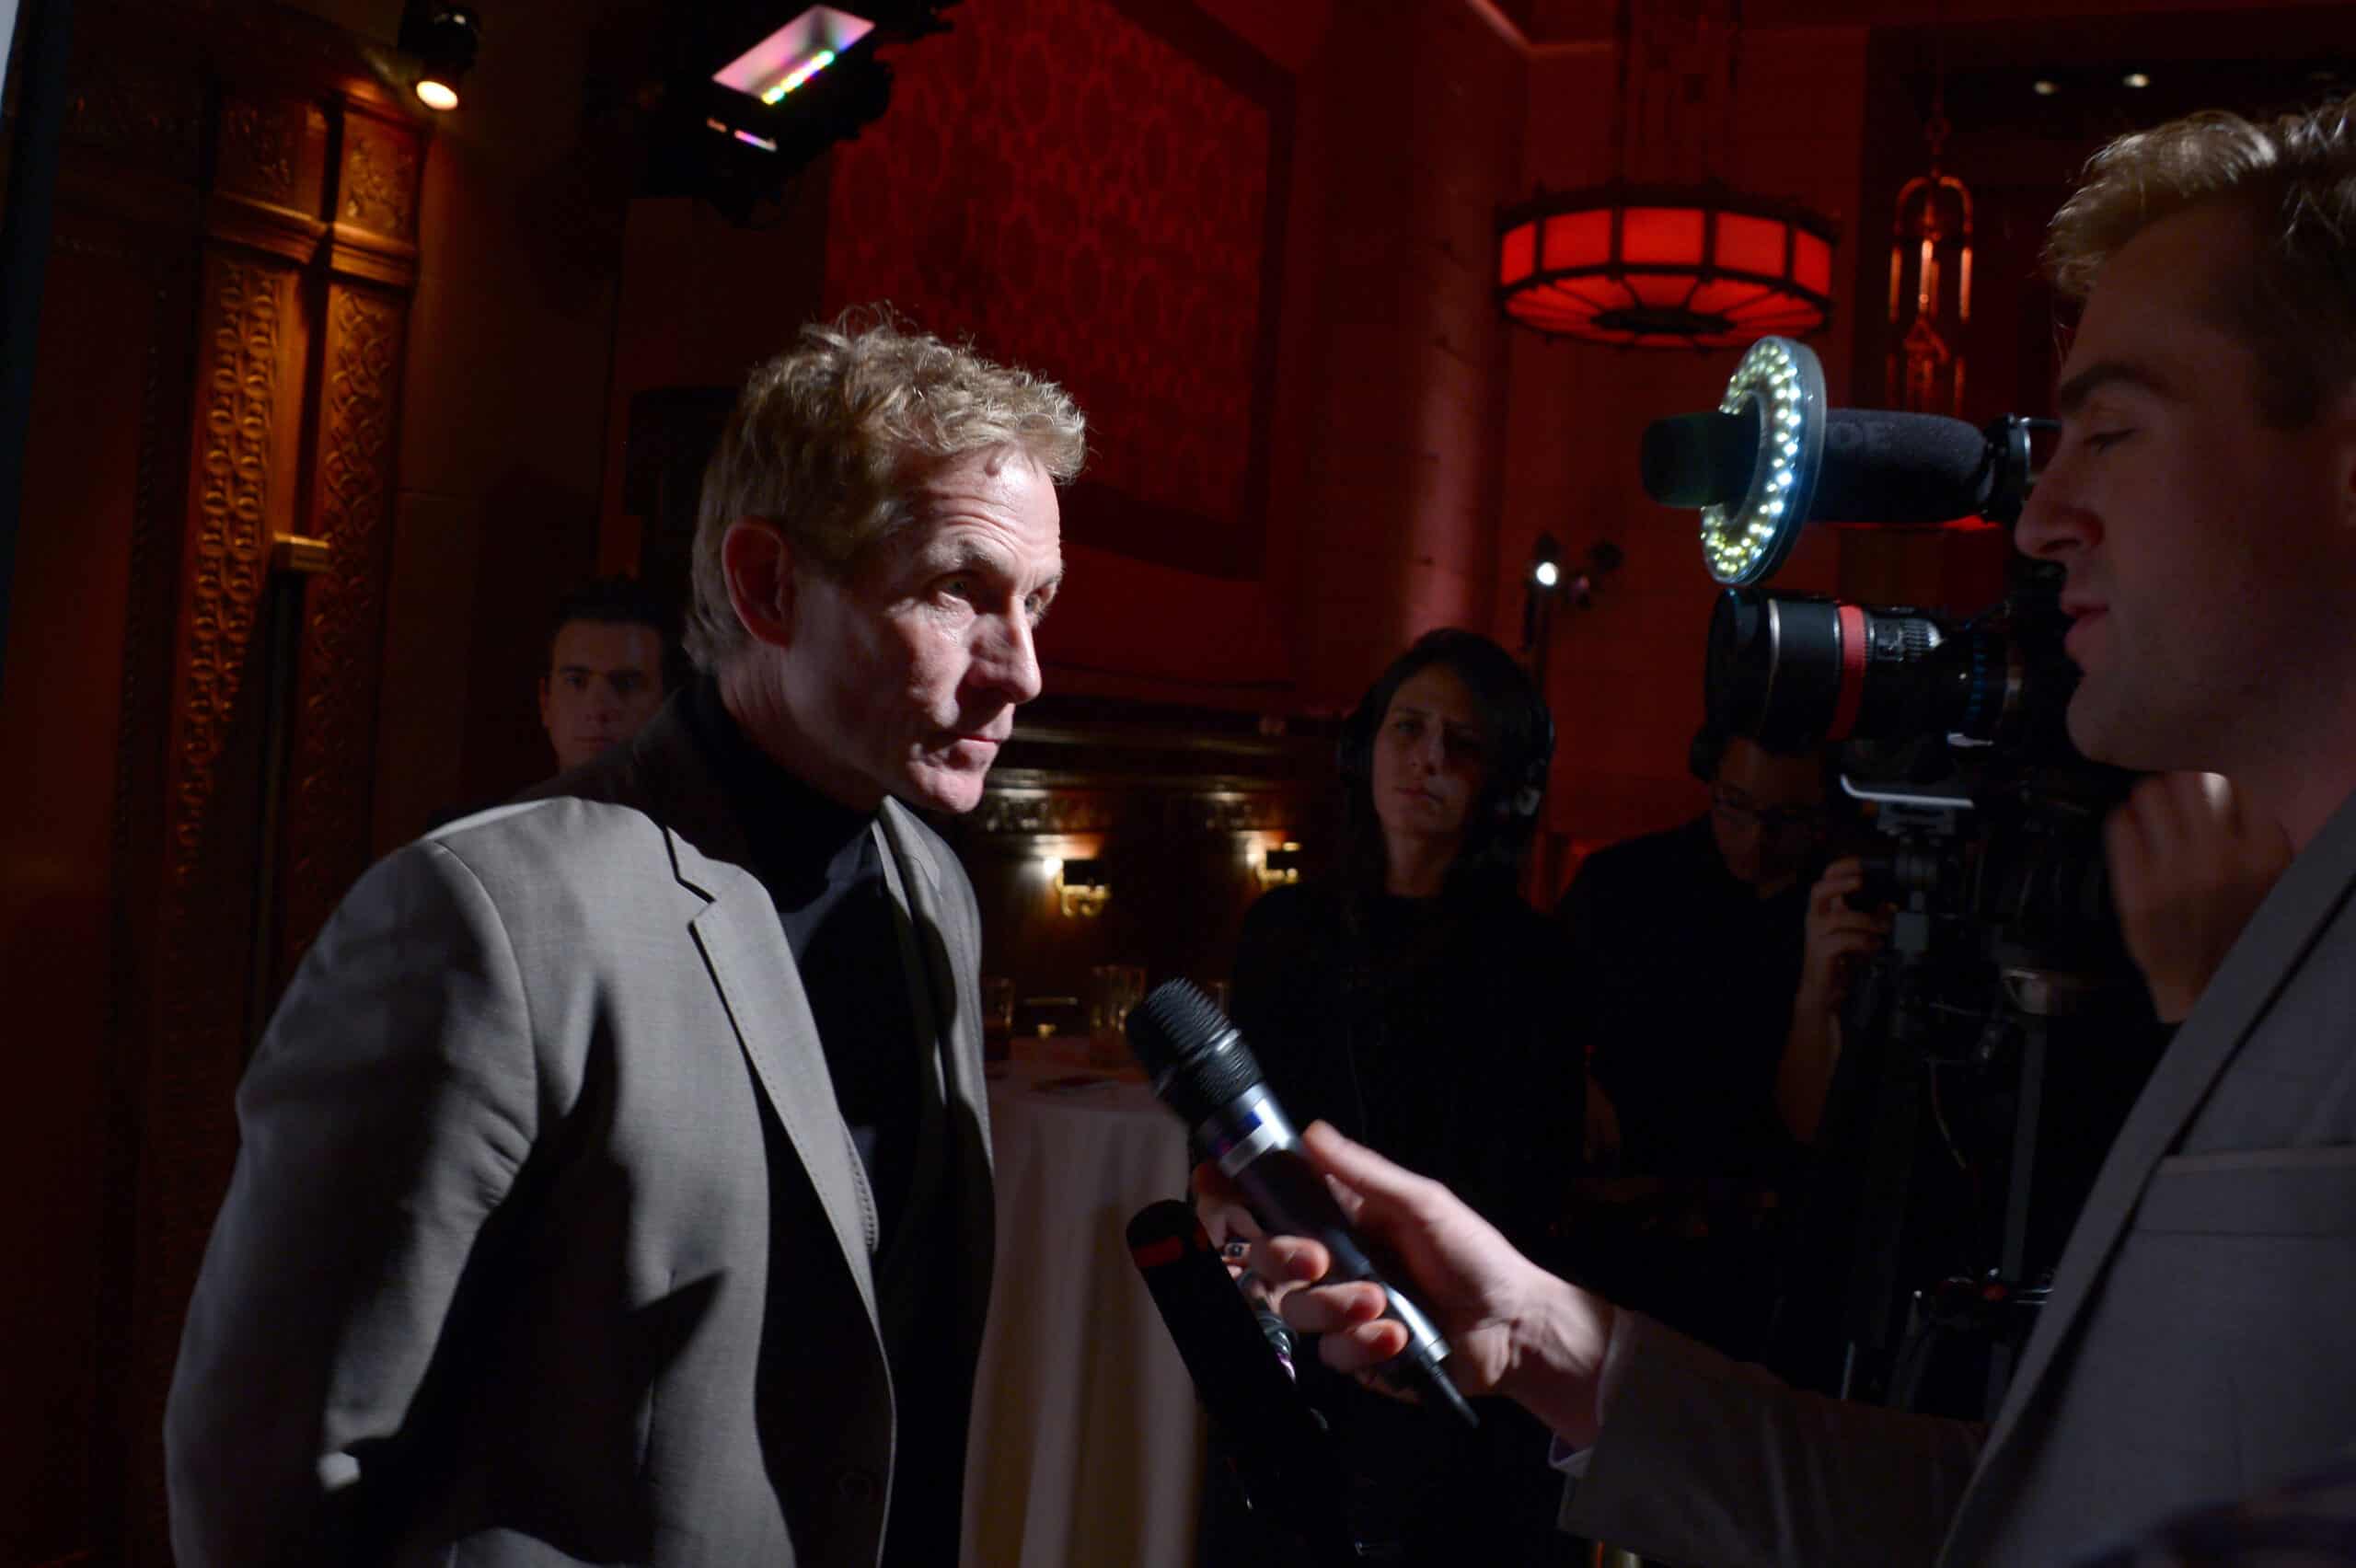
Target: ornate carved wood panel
[326, 819]
[248, 401]
[282, 265]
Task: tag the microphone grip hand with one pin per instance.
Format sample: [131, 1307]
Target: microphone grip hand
[1287, 1195]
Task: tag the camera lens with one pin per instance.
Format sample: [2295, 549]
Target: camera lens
[1791, 670]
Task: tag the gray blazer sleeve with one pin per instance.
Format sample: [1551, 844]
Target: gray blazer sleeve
[382, 1118]
[1707, 1460]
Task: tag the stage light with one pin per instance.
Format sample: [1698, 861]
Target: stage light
[786, 60]
[443, 36]
[2045, 86]
[2136, 79]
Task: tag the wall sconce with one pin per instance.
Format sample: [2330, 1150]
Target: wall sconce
[1080, 887]
[1280, 865]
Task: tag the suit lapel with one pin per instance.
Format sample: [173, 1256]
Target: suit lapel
[664, 772]
[2268, 952]
[915, 882]
[752, 967]
[948, 962]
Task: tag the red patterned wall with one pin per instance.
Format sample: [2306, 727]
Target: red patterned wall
[1086, 189]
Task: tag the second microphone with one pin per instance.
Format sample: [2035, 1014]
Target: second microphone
[1201, 1069]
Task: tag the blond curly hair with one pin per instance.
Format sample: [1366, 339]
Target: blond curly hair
[826, 439]
[2296, 176]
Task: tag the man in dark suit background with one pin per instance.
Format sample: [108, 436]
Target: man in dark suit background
[607, 674]
[614, 1179]
[2195, 1348]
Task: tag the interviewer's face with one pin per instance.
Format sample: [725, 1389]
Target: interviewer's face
[1430, 758]
[2207, 553]
[906, 673]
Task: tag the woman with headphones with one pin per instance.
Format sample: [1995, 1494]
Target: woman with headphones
[1413, 999]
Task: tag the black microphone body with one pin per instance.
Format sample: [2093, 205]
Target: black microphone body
[1282, 1450]
[1201, 1069]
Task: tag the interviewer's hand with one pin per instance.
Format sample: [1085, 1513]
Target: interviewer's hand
[2189, 863]
[1512, 1328]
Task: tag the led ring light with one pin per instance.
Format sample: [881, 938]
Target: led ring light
[1782, 381]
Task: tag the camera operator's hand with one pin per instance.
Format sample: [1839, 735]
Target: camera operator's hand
[1838, 935]
[1512, 1328]
[2189, 863]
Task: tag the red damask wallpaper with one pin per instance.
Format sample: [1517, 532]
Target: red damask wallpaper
[1087, 189]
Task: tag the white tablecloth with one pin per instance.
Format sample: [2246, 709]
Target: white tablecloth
[1086, 1449]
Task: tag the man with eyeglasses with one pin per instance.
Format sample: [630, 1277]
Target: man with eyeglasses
[1708, 972]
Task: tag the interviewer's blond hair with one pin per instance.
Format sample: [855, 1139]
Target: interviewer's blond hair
[826, 440]
[2294, 176]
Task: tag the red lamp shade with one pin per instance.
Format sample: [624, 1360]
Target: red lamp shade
[1686, 267]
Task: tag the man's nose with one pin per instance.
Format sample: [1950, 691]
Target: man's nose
[1008, 663]
[2055, 520]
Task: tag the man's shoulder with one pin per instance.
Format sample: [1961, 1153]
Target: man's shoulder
[537, 848]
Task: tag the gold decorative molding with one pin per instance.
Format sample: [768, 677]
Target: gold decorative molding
[326, 823]
[261, 140]
[247, 311]
[379, 182]
[1024, 812]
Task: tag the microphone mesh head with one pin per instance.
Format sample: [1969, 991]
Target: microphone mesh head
[1190, 1049]
[1174, 1021]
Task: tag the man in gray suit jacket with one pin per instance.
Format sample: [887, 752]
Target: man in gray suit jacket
[2201, 1340]
[615, 1177]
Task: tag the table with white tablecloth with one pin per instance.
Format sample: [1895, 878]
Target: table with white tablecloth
[1087, 1443]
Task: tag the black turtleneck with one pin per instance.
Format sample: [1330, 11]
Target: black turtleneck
[823, 867]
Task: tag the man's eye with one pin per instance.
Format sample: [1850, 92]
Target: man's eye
[2104, 440]
[629, 683]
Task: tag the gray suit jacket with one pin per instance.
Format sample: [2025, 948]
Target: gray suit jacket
[547, 1242]
[2200, 1343]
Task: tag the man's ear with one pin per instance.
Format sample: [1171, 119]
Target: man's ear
[544, 702]
[758, 563]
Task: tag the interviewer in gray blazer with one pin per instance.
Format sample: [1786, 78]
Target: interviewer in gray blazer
[2201, 1341]
[615, 1177]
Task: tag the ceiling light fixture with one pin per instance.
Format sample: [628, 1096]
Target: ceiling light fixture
[1699, 265]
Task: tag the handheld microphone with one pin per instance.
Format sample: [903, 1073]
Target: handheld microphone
[1201, 1069]
[1282, 1450]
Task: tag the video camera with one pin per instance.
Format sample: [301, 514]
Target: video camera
[2004, 989]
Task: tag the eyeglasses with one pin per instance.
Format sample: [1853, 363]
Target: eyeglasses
[1775, 822]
